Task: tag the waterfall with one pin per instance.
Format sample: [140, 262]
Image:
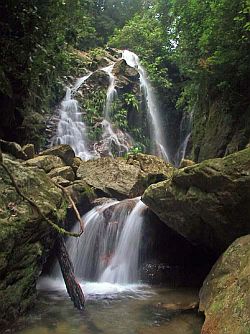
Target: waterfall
[185, 133]
[113, 138]
[155, 121]
[108, 251]
[71, 129]
[111, 92]
[123, 267]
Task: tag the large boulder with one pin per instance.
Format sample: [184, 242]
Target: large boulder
[207, 203]
[63, 151]
[224, 297]
[25, 237]
[45, 162]
[123, 178]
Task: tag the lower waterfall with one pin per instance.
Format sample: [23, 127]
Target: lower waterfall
[106, 257]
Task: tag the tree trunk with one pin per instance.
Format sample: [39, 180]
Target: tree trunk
[73, 287]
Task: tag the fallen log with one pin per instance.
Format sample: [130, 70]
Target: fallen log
[73, 287]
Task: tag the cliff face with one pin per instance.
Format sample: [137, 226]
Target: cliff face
[219, 129]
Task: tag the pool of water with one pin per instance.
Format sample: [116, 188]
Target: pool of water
[110, 309]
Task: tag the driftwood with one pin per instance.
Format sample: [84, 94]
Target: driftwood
[73, 287]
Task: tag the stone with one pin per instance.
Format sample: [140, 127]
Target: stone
[224, 296]
[63, 151]
[206, 203]
[76, 163]
[121, 68]
[25, 237]
[45, 162]
[99, 78]
[82, 194]
[65, 172]
[121, 178]
[186, 163]
[61, 181]
[173, 307]
[13, 148]
[29, 150]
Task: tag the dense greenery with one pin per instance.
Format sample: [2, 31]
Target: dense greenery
[192, 50]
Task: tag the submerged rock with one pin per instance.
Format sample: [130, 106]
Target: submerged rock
[123, 178]
[207, 203]
[224, 297]
[25, 238]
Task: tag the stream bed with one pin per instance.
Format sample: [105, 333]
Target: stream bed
[112, 309]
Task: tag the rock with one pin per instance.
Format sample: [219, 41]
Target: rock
[173, 307]
[13, 149]
[61, 181]
[65, 172]
[82, 194]
[121, 68]
[29, 150]
[206, 203]
[127, 78]
[121, 178]
[45, 162]
[224, 297]
[186, 163]
[76, 163]
[99, 78]
[25, 238]
[65, 152]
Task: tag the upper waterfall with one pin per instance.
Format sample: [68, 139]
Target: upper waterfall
[158, 143]
[71, 129]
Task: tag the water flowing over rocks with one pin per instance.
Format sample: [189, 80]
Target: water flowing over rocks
[224, 296]
[207, 203]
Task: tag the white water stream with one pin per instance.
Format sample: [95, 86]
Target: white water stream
[71, 129]
[159, 147]
[106, 256]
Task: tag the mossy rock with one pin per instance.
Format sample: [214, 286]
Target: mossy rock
[224, 297]
[65, 172]
[207, 203]
[45, 162]
[25, 238]
[65, 152]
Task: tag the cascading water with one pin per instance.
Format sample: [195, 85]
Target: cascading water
[71, 129]
[111, 92]
[108, 251]
[106, 256]
[123, 267]
[185, 133]
[159, 146]
[113, 139]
